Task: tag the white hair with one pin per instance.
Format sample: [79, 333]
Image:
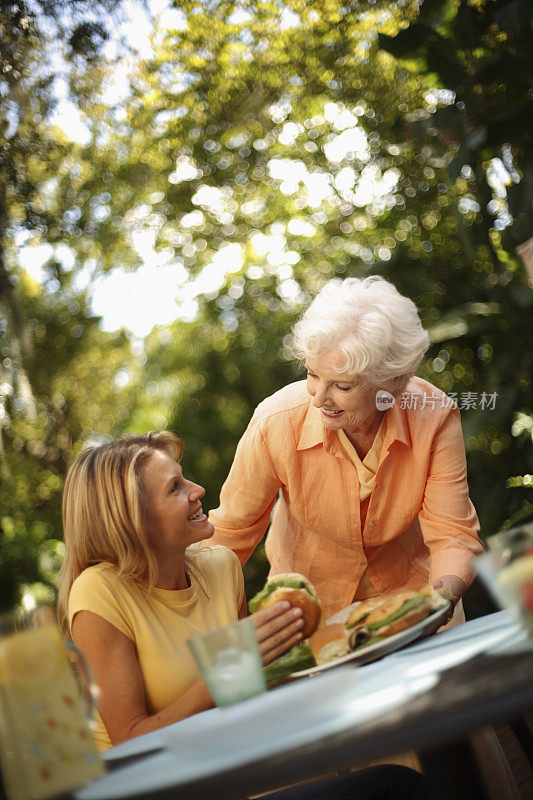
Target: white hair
[376, 329]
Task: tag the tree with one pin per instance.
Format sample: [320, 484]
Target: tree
[270, 147]
[40, 43]
[52, 352]
[482, 54]
[258, 156]
[84, 384]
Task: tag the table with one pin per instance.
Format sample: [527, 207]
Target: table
[428, 698]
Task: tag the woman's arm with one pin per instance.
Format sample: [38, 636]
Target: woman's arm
[247, 496]
[448, 520]
[113, 661]
[122, 703]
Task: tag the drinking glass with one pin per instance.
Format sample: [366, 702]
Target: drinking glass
[46, 744]
[507, 571]
[230, 662]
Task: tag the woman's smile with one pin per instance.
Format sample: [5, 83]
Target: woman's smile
[331, 414]
[198, 516]
[344, 401]
[174, 514]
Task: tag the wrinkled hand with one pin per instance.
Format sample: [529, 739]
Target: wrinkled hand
[278, 628]
[451, 587]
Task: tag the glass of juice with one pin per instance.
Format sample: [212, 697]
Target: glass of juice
[229, 661]
[46, 743]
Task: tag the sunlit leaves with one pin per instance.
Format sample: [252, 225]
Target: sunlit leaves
[264, 149]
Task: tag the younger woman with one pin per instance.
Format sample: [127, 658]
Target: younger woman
[135, 586]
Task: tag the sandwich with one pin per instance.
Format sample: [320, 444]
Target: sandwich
[298, 591]
[362, 610]
[329, 643]
[395, 612]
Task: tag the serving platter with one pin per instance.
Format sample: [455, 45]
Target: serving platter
[373, 652]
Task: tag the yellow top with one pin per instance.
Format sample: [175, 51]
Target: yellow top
[160, 622]
[367, 468]
[366, 472]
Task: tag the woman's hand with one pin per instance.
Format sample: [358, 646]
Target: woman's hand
[451, 587]
[278, 628]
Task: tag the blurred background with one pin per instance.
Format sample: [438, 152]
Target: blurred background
[176, 182]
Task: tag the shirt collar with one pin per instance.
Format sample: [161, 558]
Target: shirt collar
[398, 429]
[313, 431]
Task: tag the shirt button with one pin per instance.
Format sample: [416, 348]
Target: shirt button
[362, 564]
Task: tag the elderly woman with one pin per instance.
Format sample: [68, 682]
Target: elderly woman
[366, 460]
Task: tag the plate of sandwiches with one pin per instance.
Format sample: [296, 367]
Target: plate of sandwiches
[362, 632]
[371, 629]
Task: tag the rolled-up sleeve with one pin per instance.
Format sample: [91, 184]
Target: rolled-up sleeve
[247, 496]
[448, 519]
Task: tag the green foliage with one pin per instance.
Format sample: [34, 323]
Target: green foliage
[226, 126]
[270, 147]
[482, 52]
[57, 369]
[83, 384]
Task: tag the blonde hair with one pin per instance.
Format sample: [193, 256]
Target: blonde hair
[103, 505]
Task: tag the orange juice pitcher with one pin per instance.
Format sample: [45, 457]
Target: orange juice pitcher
[46, 744]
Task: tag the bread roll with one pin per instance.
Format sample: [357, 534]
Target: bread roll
[301, 594]
[329, 643]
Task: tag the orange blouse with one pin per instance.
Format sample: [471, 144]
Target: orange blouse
[420, 523]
